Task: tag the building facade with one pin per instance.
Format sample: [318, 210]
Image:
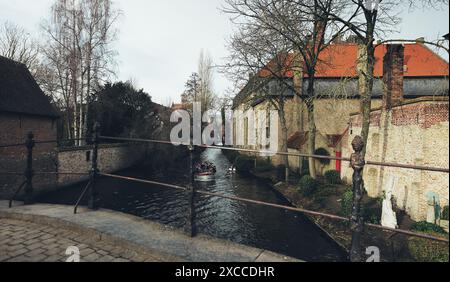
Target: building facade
[425, 74]
[24, 108]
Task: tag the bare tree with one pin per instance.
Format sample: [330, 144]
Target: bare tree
[306, 35]
[367, 20]
[18, 45]
[79, 34]
[258, 59]
[191, 92]
[206, 79]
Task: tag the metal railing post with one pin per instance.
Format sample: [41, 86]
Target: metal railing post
[189, 227]
[29, 170]
[93, 194]
[356, 221]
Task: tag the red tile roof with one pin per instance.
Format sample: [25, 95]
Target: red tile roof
[339, 60]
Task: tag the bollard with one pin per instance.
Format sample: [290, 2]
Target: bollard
[356, 221]
[93, 195]
[29, 170]
[189, 227]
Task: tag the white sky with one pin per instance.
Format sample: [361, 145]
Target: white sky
[160, 40]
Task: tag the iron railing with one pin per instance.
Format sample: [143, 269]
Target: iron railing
[356, 160]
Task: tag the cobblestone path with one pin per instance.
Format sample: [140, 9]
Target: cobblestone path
[22, 241]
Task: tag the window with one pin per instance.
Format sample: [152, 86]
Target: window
[88, 156]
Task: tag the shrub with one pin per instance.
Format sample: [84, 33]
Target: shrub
[307, 185]
[322, 152]
[281, 172]
[423, 250]
[323, 193]
[372, 209]
[305, 168]
[244, 164]
[263, 166]
[347, 203]
[423, 226]
[333, 176]
[372, 215]
[444, 215]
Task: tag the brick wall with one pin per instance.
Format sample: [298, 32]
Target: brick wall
[14, 129]
[417, 133]
[48, 158]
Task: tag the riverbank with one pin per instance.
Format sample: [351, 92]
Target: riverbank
[393, 247]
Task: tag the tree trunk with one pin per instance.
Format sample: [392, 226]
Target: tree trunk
[284, 146]
[366, 62]
[311, 138]
[311, 126]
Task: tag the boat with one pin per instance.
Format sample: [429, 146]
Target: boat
[204, 172]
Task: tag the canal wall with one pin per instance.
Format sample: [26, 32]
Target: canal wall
[111, 158]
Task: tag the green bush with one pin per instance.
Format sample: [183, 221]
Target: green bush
[347, 202]
[372, 215]
[333, 177]
[308, 185]
[423, 250]
[322, 194]
[444, 215]
[263, 166]
[423, 226]
[323, 152]
[305, 167]
[244, 164]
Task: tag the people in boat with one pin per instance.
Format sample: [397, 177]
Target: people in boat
[205, 167]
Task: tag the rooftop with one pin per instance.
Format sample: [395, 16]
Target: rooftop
[19, 92]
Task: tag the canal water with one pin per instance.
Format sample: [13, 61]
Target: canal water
[268, 228]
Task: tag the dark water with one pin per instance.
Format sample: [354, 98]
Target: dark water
[269, 228]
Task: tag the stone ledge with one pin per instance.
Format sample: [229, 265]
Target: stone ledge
[134, 233]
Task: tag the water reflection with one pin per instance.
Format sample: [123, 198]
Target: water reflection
[278, 230]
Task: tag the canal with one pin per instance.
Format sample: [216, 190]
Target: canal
[281, 231]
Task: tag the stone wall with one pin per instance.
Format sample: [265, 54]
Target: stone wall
[416, 133]
[111, 158]
[331, 118]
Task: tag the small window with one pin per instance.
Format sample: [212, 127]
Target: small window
[88, 156]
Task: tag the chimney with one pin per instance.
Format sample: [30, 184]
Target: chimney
[393, 70]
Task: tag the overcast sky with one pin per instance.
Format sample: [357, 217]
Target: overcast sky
[160, 40]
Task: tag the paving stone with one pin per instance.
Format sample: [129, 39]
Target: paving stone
[34, 246]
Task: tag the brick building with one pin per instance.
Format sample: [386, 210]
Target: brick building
[24, 108]
[425, 74]
[406, 131]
